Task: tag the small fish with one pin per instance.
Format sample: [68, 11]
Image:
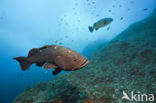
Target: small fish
[121, 18]
[145, 9]
[132, 2]
[76, 4]
[97, 15]
[56, 41]
[60, 43]
[93, 2]
[46, 72]
[101, 23]
[53, 56]
[109, 10]
[78, 20]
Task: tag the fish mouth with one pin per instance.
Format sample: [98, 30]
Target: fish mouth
[85, 62]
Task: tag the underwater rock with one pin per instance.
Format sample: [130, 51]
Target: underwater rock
[116, 67]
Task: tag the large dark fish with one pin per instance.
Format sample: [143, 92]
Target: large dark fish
[101, 23]
[53, 56]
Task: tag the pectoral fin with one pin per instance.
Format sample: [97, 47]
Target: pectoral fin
[49, 65]
[90, 28]
[56, 71]
[40, 64]
[96, 28]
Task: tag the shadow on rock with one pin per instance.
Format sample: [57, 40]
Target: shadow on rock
[52, 92]
[91, 47]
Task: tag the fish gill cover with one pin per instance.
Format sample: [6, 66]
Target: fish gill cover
[127, 63]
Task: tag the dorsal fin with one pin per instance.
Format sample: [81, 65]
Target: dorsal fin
[36, 50]
[44, 47]
[33, 52]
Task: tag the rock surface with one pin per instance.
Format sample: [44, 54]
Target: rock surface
[127, 63]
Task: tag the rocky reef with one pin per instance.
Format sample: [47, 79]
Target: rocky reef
[127, 63]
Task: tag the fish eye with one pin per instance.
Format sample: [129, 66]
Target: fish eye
[74, 58]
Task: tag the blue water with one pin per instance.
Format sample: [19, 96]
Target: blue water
[34, 23]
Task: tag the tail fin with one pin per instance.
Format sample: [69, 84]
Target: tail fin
[24, 63]
[90, 29]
